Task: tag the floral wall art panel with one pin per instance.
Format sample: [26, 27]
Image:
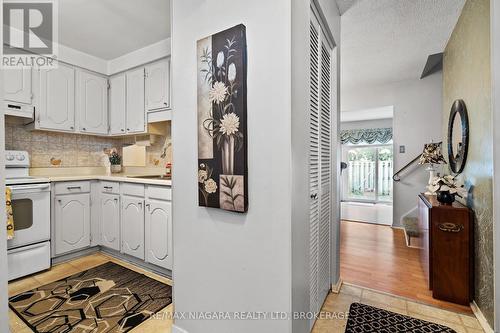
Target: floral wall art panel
[222, 120]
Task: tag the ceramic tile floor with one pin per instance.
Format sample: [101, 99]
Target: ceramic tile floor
[338, 303]
[161, 322]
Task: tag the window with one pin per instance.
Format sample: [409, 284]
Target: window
[368, 174]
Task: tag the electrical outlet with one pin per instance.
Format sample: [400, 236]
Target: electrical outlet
[402, 149]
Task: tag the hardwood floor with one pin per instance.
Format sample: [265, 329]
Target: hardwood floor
[376, 257]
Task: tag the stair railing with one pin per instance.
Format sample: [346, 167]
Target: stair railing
[396, 176]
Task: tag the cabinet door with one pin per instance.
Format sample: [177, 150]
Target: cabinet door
[72, 219]
[117, 104]
[133, 226]
[136, 114]
[158, 85]
[159, 233]
[17, 85]
[92, 103]
[57, 98]
[110, 221]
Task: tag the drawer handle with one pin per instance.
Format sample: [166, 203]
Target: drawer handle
[108, 187]
[74, 187]
[450, 227]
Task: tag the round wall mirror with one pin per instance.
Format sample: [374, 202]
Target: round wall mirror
[458, 136]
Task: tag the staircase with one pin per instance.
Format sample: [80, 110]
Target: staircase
[410, 225]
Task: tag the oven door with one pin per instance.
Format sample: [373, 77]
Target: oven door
[31, 209]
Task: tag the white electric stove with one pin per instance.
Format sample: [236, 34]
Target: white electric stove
[29, 250]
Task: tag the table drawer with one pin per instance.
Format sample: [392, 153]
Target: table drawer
[72, 187]
[133, 189]
[110, 187]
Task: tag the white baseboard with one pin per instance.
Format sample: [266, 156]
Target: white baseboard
[480, 317]
[336, 287]
[177, 329]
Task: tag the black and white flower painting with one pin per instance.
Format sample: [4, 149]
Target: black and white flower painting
[222, 120]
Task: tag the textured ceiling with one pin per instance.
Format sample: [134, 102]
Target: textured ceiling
[384, 41]
[110, 28]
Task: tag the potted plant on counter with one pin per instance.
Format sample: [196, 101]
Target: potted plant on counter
[116, 161]
[446, 188]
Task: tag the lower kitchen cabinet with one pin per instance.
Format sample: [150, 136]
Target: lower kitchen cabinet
[159, 233]
[132, 226]
[72, 219]
[110, 221]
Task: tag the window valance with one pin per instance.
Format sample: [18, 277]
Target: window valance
[369, 135]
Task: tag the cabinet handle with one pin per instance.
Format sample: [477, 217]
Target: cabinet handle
[123, 130]
[108, 187]
[71, 127]
[128, 129]
[84, 129]
[314, 196]
[450, 227]
[116, 199]
[74, 187]
[59, 200]
[148, 206]
[166, 104]
[140, 204]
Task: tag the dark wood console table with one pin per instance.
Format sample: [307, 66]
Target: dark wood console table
[446, 239]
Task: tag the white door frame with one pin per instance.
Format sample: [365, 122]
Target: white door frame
[4, 318]
[495, 107]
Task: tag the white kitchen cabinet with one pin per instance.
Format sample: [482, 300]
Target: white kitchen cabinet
[132, 226]
[92, 102]
[72, 222]
[56, 110]
[158, 85]
[17, 85]
[110, 220]
[158, 238]
[135, 113]
[117, 104]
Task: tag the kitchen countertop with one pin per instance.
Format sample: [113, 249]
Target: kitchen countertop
[118, 177]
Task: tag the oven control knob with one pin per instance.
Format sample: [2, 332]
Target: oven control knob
[20, 157]
[9, 157]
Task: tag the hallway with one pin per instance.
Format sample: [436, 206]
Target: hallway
[376, 257]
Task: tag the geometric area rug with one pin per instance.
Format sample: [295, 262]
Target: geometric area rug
[106, 298]
[364, 318]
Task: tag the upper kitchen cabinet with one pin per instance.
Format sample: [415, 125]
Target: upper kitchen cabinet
[17, 85]
[158, 85]
[56, 109]
[92, 102]
[135, 112]
[117, 104]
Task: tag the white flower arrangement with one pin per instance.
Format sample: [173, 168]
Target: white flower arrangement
[210, 186]
[229, 124]
[447, 183]
[202, 176]
[217, 93]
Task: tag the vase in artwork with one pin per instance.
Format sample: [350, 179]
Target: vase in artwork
[228, 156]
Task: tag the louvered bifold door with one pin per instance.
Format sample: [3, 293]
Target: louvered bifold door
[325, 196]
[314, 168]
[320, 165]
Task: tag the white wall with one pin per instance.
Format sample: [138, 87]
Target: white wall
[417, 120]
[364, 124]
[227, 261]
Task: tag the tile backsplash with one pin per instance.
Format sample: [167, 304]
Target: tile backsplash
[53, 149]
